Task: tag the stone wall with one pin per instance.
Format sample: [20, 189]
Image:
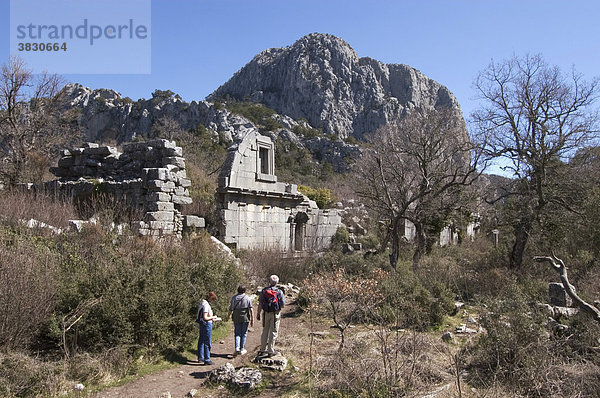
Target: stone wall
[149, 176]
[257, 212]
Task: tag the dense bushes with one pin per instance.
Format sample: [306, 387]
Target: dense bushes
[523, 353]
[135, 292]
[149, 293]
[95, 299]
[397, 298]
[390, 363]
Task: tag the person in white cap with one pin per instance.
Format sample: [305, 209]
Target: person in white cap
[271, 302]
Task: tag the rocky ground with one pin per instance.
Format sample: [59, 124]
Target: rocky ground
[189, 376]
[296, 333]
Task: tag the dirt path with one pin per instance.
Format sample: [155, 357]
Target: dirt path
[180, 380]
[295, 343]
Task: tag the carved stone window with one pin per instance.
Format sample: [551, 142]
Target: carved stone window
[263, 155]
[265, 161]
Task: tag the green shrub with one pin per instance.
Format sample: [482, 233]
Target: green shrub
[149, 294]
[28, 284]
[307, 132]
[471, 270]
[200, 130]
[408, 304]
[341, 236]
[257, 114]
[322, 196]
[351, 140]
[293, 163]
[164, 95]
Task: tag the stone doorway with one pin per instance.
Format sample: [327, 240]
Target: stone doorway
[299, 230]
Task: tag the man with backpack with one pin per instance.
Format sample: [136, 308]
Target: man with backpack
[271, 301]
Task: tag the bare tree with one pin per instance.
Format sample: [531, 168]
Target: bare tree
[533, 117]
[341, 298]
[169, 128]
[32, 129]
[414, 170]
[560, 267]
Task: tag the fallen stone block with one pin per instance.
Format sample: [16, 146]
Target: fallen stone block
[558, 295]
[192, 393]
[190, 221]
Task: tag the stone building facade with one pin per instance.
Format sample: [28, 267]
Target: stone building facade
[256, 211]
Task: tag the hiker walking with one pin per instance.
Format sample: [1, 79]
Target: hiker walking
[205, 319]
[241, 307]
[270, 301]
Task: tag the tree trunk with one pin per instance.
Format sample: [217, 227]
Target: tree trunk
[395, 244]
[522, 230]
[421, 245]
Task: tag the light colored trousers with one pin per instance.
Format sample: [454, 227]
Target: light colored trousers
[270, 331]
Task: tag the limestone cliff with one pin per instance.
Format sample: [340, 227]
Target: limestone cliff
[321, 78]
[104, 115]
[319, 82]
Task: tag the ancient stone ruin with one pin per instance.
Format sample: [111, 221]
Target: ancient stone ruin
[149, 176]
[256, 211]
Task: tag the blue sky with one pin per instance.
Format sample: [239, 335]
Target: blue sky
[198, 44]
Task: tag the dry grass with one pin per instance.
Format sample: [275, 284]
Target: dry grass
[376, 361]
[18, 206]
[28, 278]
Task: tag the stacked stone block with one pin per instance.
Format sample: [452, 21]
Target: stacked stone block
[149, 175]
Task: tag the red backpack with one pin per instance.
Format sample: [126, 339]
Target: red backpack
[270, 302]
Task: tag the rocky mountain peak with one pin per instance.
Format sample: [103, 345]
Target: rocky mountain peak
[320, 78]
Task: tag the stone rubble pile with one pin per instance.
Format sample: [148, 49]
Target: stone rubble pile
[149, 176]
[244, 378]
[277, 362]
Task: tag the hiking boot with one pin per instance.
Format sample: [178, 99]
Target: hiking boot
[243, 351]
[236, 353]
[262, 354]
[208, 363]
[272, 354]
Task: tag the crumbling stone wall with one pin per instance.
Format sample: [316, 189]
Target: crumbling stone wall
[150, 176]
[256, 211]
